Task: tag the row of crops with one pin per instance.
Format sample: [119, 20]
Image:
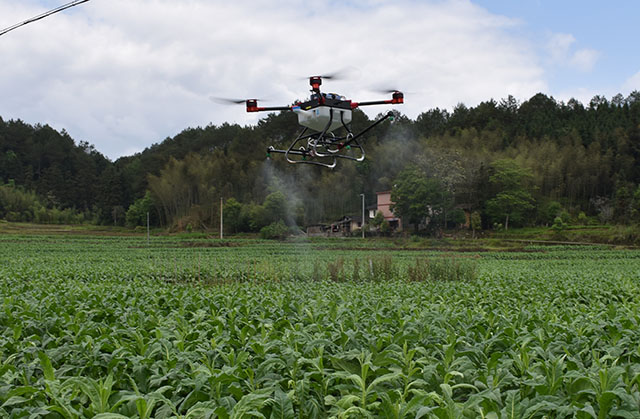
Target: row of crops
[109, 327]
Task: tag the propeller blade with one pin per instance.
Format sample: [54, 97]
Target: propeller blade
[332, 76]
[386, 91]
[342, 74]
[231, 101]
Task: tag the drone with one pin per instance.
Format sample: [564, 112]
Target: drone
[326, 135]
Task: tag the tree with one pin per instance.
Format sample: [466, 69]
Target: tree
[418, 198]
[512, 200]
[574, 153]
[137, 212]
[604, 208]
[183, 189]
[385, 227]
[276, 207]
[549, 211]
[623, 204]
[109, 199]
[378, 219]
[476, 223]
[635, 206]
[233, 215]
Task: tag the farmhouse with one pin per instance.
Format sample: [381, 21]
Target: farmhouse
[383, 205]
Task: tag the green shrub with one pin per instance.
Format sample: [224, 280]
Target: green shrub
[275, 231]
[558, 225]
[582, 218]
[385, 228]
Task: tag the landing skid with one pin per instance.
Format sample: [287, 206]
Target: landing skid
[325, 148]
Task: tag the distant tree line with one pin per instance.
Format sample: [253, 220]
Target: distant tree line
[506, 163]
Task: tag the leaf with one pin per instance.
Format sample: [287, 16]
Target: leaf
[14, 400]
[588, 409]
[356, 411]
[281, 405]
[512, 409]
[447, 391]
[354, 378]
[145, 407]
[248, 405]
[47, 368]
[424, 411]
[389, 408]
[627, 414]
[124, 397]
[202, 410]
[605, 403]
[383, 379]
[347, 401]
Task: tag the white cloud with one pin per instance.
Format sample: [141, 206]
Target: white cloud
[123, 74]
[584, 59]
[561, 52]
[559, 45]
[633, 83]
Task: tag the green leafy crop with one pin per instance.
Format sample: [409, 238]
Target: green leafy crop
[107, 327]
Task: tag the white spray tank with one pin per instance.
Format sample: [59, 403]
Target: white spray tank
[318, 118]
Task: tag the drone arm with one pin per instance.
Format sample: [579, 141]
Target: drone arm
[361, 133]
[396, 99]
[252, 106]
[268, 108]
[373, 102]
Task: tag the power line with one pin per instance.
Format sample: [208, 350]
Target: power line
[43, 15]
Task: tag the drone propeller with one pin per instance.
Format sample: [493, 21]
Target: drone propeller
[336, 75]
[341, 74]
[230, 101]
[387, 91]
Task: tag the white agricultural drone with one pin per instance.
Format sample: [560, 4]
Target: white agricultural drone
[325, 117]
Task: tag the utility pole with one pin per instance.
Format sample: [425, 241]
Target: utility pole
[362, 224]
[221, 222]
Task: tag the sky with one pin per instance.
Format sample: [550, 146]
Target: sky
[125, 74]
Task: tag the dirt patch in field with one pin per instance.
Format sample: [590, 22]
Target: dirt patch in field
[432, 249]
[210, 244]
[189, 244]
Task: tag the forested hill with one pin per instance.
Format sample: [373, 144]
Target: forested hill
[39, 158]
[575, 155]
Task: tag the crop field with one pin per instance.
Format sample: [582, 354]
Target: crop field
[110, 327]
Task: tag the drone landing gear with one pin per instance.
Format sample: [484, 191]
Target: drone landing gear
[324, 148]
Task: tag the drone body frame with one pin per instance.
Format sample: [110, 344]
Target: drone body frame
[322, 116]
